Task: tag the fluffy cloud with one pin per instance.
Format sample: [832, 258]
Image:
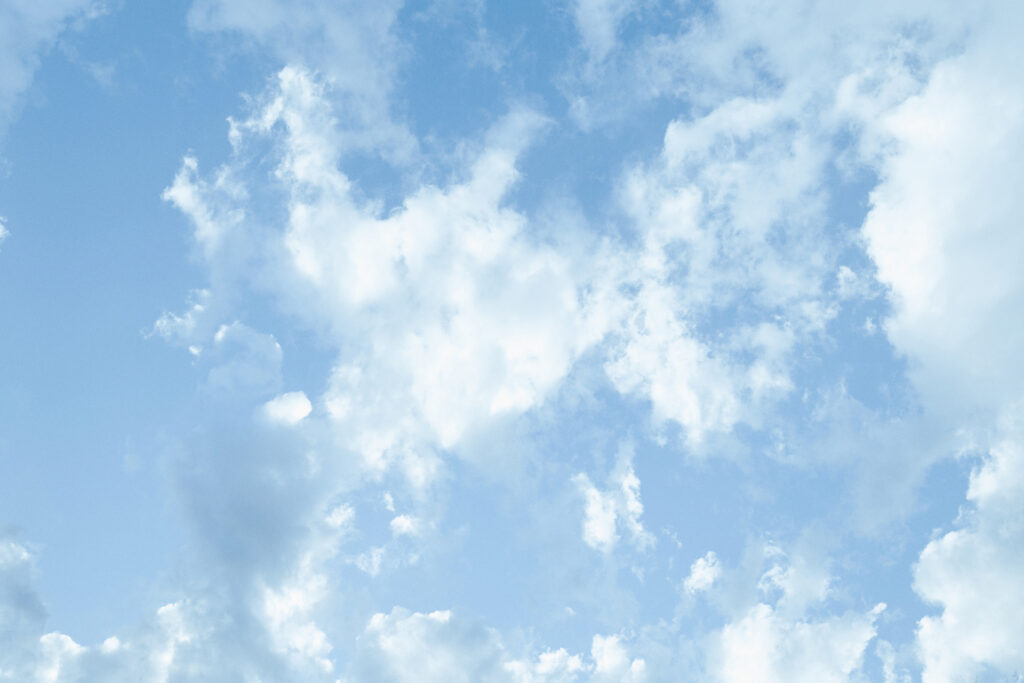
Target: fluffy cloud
[353, 44]
[712, 216]
[448, 313]
[762, 646]
[973, 574]
[944, 233]
[289, 408]
[618, 506]
[780, 637]
[438, 646]
[944, 227]
[703, 573]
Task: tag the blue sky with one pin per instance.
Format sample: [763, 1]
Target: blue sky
[606, 340]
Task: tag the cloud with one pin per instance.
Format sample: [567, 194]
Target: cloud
[449, 314]
[598, 21]
[703, 573]
[353, 45]
[710, 226]
[404, 525]
[943, 228]
[446, 314]
[973, 574]
[784, 634]
[943, 231]
[762, 646]
[605, 511]
[439, 646]
[412, 646]
[289, 409]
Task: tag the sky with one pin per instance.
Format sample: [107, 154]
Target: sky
[533, 342]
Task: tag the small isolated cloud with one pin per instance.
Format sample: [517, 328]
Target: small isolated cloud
[617, 506]
[404, 525]
[340, 516]
[598, 24]
[703, 573]
[288, 409]
[370, 561]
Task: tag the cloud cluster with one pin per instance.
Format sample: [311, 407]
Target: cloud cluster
[447, 314]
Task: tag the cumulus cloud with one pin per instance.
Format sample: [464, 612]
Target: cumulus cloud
[780, 636]
[762, 646]
[943, 227]
[973, 574]
[598, 23]
[449, 314]
[711, 214]
[943, 231]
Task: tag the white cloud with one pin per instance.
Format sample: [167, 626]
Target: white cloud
[944, 234]
[340, 517]
[784, 634]
[765, 647]
[703, 573]
[287, 613]
[599, 515]
[353, 45]
[613, 663]
[711, 214]
[370, 561]
[598, 23]
[619, 505]
[404, 525]
[943, 229]
[447, 316]
[403, 646]
[973, 574]
[289, 409]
